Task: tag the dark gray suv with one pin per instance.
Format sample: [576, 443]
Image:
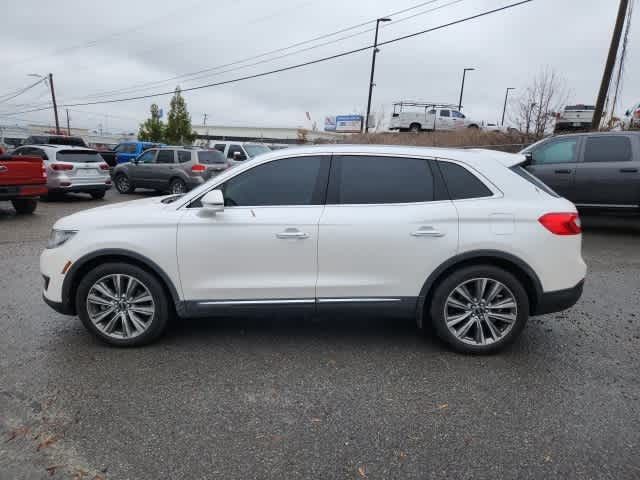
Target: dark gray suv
[593, 170]
[173, 169]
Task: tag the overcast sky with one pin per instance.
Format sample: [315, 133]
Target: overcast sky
[97, 47]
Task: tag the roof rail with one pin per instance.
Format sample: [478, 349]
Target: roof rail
[422, 103]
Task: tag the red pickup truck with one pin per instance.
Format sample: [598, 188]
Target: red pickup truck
[22, 181]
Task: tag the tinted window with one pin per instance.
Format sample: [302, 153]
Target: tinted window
[444, 113]
[457, 114]
[254, 150]
[129, 148]
[78, 156]
[236, 148]
[165, 156]
[220, 147]
[369, 179]
[147, 157]
[556, 151]
[120, 148]
[184, 156]
[290, 181]
[607, 149]
[461, 183]
[211, 156]
[37, 139]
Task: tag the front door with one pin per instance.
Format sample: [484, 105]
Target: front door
[554, 162]
[262, 249]
[139, 170]
[382, 232]
[608, 174]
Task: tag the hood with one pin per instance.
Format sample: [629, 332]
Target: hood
[133, 212]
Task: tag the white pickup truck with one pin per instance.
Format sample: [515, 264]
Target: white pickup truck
[575, 117]
[410, 116]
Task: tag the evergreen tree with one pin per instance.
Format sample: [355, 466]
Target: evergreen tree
[179, 130]
[152, 130]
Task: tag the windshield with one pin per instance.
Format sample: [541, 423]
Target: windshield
[78, 156]
[254, 150]
[211, 156]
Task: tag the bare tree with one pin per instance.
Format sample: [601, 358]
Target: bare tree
[535, 110]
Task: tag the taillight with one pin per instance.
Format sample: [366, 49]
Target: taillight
[61, 166]
[562, 223]
[637, 114]
[44, 170]
[198, 168]
[104, 166]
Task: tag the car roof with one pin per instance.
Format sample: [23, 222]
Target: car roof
[471, 156]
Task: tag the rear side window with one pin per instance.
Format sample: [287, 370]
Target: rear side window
[379, 180]
[78, 156]
[165, 156]
[289, 181]
[607, 149]
[211, 156]
[461, 183]
[184, 156]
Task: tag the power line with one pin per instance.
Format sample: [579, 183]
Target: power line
[198, 73]
[11, 95]
[299, 65]
[268, 60]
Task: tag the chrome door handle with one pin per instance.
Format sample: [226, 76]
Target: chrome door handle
[427, 232]
[292, 233]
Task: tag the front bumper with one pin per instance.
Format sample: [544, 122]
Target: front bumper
[556, 301]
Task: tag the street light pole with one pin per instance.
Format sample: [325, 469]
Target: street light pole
[504, 109]
[373, 68]
[55, 106]
[464, 74]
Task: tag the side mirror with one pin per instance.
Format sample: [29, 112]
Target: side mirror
[529, 157]
[627, 113]
[237, 156]
[213, 201]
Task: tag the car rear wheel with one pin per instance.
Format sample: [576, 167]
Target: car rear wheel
[25, 206]
[414, 127]
[177, 186]
[122, 304]
[123, 184]
[479, 309]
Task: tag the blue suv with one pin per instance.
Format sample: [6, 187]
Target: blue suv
[127, 151]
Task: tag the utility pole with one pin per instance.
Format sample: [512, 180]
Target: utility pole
[611, 60]
[68, 126]
[55, 106]
[373, 68]
[464, 73]
[204, 119]
[504, 109]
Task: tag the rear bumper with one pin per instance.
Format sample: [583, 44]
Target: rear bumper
[550, 302]
[11, 192]
[81, 188]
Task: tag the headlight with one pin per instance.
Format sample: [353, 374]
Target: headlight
[59, 237]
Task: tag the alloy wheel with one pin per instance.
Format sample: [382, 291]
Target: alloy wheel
[177, 187]
[120, 306]
[480, 311]
[123, 183]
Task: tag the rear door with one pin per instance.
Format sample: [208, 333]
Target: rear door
[382, 233]
[555, 162]
[608, 173]
[163, 169]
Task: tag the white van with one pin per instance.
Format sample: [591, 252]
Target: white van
[410, 116]
[238, 152]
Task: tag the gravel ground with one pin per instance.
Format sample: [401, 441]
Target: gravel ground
[337, 398]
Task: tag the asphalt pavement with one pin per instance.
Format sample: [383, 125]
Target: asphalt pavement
[337, 398]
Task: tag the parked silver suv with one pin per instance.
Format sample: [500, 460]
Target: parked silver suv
[173, 169]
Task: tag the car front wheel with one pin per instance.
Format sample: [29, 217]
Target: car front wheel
[122, 304]
[479, 309]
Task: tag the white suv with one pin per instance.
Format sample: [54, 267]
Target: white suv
[466, 240]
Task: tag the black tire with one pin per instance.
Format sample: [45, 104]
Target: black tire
[446, 287]
[474, 127]
[98, 195]
[415, 127]
[123, 183]
[156, 323]
[25, 206]
[177, 186]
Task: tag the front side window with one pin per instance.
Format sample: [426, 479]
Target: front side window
[461, 183]
[232, 152]
[378, 180]
[445, 113]
[289, 181]
[457, 114]
[610, 148]
[165, 156]
[255, 150]
[556, 151]
[147, 157]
